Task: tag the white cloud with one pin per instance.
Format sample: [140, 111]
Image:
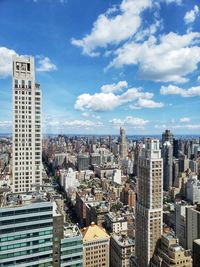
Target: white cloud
[175, 90]
[178, 2]
[82, 123]
[187, 126]
[191, 15]
[185, 119]
[170, 58]
[73, 123]
[116, 25]
[130, 121]
[6, 56]
[114, 87]
[45, 64]
[5, 124]
[88, 114]
[146, 103]
[198, 79]
[109, 101]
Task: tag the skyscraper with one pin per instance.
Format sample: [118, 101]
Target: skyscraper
[167, 136]
[167, 154]
[149, 202]
[123, 144]
[27, 147]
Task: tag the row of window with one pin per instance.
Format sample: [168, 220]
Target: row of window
[25, 211]
[26, 252]
[27, 260]
[25, 228]
[27, 219]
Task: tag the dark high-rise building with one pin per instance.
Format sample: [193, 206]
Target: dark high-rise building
[196, 253]
[167, 155]
[167, 136]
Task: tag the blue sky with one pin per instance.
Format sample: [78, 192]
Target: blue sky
[105, 64]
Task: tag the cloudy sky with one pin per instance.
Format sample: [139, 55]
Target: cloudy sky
[103, 64]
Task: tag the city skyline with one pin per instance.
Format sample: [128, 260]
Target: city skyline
[96, 79]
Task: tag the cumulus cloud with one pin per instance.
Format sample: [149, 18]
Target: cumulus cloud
[129, 121]
[175, 90]
[171, 57]
[146, 103]
[114, 87]
[191, 15]
[198, 79]
[6, 56]
[184, 119]
[109, 101]
[124, 19]
[45, 64]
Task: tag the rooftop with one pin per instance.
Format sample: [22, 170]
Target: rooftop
[123, 240]
[94, 232]
[21, 199]
[71, 230]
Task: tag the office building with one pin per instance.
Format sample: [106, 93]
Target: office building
[170, 254]
[27, 147]
[196, 253]
[180, 222]
[193, 190]
[121, 249]
[167, 155]
[149, 202]
[122, 144]
[83, 162]
[96, 246]
[167, 136]
[33, 233]
[192, 225]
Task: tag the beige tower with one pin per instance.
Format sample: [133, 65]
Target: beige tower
[123, 144]
[27, 147]
[149, 202]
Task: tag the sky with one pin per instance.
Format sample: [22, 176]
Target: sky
[103, 64]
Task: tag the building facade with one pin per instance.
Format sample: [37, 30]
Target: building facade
[27, 146]
[96, 246]
[149, 202]
[33, 233]
[171, 254]
[196, 252]
[167, 155]
[121, 249]
[122, 144]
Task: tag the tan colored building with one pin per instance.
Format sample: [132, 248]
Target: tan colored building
[96, 246]
[171, 254]
[121, 249]
[149, 202]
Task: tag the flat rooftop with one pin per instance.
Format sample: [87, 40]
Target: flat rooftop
[21, 199]
[71, 230]
[123, 241]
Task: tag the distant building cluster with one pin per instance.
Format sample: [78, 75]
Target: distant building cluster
[94, 201]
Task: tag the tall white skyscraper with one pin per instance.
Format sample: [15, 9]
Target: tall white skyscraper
[27, 145]
[149, 202]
